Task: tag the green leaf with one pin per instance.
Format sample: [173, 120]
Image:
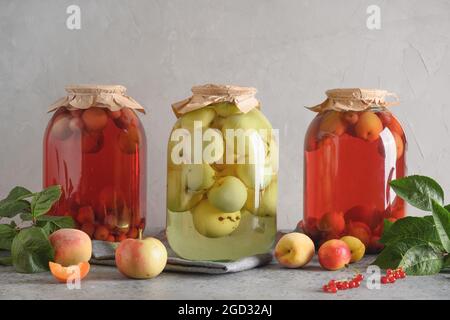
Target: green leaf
[447, 262]
[447, 207]
[411, 228]
[44, 200]
[52, 223]
[10, 208]
[415, 256]
[7, 234]
[18, 193]
[387, 226]
[442, 222]
[5, 260]
[418, 191]
[26, 216]
[31, 251]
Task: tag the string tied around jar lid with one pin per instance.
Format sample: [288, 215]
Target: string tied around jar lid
[355, 99]
[112, 97]
[208, 94]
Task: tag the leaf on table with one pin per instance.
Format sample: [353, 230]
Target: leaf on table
[418, 191]
[31, 251]
[417, 257]
[44, 200]
[5, 261]
[410, 228]
[442, 223]
[7, 234]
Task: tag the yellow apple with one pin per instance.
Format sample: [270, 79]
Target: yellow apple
[213, 223]
[228, 194]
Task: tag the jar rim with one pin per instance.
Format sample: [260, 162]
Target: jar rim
[96, 88]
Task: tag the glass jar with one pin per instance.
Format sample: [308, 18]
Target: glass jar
[221, 176]
[353, 148]
[95, 148]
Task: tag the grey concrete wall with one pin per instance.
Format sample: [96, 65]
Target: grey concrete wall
[291, 50]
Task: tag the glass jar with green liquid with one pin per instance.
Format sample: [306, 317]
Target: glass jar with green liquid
[222, 183]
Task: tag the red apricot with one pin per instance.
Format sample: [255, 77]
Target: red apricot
[334, 254]
[129, 140]
[85, 215]
[101, 233]
[114, 114]
[76, 124]
[332, 223]
[88, 228]
[60, 128]
[359, 230]
[369, 126]
[126, 119]
[110, 238]
[375, 245]
[368, 215]
[121, 237]
[332, 124]
[133, 233]
[76, 113]
[351, 117]
[91, 142]
[95, 119]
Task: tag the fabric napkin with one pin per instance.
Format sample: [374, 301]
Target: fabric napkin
[103, 254]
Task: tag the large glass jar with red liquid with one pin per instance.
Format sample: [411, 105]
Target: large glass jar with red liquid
[353, 148]
[95, 148]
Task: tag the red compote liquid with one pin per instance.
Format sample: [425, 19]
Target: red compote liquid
[350, 158]
[99, 158]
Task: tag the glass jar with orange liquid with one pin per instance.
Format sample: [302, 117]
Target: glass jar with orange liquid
[353, 148]
[95, 148]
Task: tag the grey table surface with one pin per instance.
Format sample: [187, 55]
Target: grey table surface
[269, 282]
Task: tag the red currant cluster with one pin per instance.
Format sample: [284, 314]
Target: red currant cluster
[334, 285]
[393, 275]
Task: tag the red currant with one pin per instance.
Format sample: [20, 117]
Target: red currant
[389, 272]
[384, 280]
[325, 288]
[359, 277]
[332, 289]
[345, 285]
[352, 284]
[391, 279]
[332, 283]
[402, 274]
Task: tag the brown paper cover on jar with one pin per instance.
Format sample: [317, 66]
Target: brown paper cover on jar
[205, 95]
[112, 97]
[355, 99]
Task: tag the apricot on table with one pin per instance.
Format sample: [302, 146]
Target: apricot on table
[334, 254]
[71, 246]
[95, 119]
[332, 124]
[369, 126]
[129, 140]
[101, 233]
[85, 215]
[294, 250]
[63, 274]
[61, 126]
[357, 248]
